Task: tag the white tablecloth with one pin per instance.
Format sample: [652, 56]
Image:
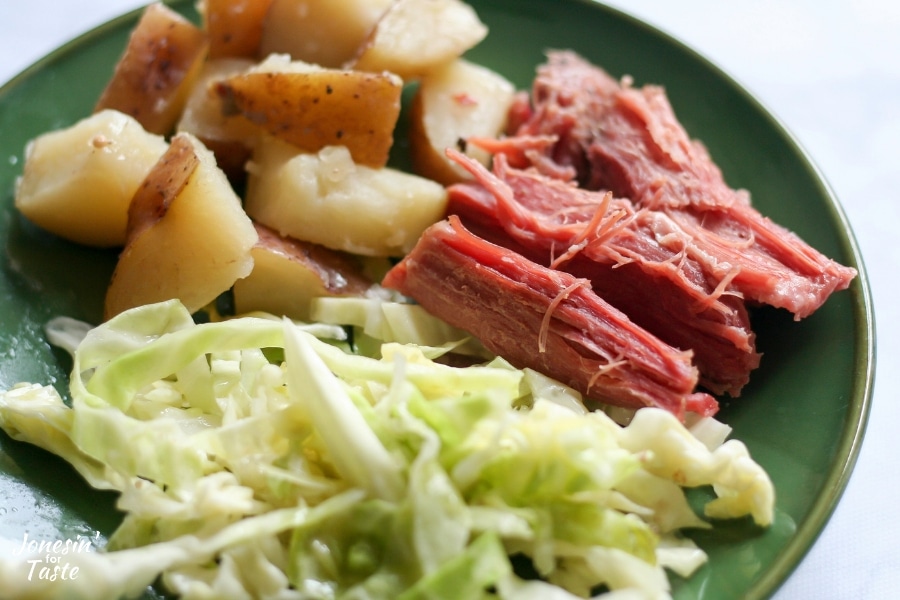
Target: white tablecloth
[830, 70]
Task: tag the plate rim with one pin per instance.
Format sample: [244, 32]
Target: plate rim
[848, 447]
[789, 558]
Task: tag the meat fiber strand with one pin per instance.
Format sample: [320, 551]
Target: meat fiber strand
[603, 239]
[546, 320]
[613, 136]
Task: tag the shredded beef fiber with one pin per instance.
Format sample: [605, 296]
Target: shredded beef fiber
[546, 320]
[604, 248]
[613, 136]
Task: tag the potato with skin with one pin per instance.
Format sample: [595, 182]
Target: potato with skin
[188, 237]
[327, 199]
[154, 75]
[312, 107]
[229, 136]
[416, 36]
[288, 273]
[77, 182]
[458, 101]
[234, 27]
[323, 32]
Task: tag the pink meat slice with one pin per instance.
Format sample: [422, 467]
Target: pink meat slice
[637, 260]
[546, 320]
[608, 135]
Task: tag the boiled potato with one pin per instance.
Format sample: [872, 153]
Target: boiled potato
[78, 182]
[416, 36]
[287, 274]
[323, 32]
[188, 237]
[153, 77]
[312, 107]
[234, 27]
[328, 199]
[453, 103]
[229, 136]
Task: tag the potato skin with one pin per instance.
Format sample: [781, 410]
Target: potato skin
[289, 273]
[154, 75]
[229, 136]
[189, 237]
[234, 27]
[322, 107]
[163, 184]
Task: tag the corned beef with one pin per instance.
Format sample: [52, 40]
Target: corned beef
[613, 136]
[638, 261]
[547, 320]
[602, 231]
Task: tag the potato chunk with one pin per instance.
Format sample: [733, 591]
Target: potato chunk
[234, 27]
[323, 32]
[311, 107]
[78, 182]
[328, 199]
[188, 237]
[416, 36]
[153, 77]
[287, 274]
[229, 136]
[453, 103]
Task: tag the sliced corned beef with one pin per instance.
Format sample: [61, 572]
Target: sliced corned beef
[546, 320]
[638, 261]
[617, 137]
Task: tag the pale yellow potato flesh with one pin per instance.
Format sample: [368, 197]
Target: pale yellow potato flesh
[78, 182]
[288, 274]
[461, 100]
[323, 32]
[328, 199]
[188, 237]
[319, 174]
[312, 107]
[155, 73]
[416, 36]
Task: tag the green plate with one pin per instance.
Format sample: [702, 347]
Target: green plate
[802, 416]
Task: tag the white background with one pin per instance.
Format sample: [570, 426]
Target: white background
[830, 70]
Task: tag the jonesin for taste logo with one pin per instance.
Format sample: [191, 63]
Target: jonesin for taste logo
[51, 560]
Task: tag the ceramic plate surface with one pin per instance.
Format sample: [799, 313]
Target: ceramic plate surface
[802, 416]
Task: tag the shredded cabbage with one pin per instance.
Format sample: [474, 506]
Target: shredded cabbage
[259, 457]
